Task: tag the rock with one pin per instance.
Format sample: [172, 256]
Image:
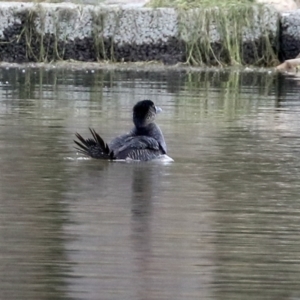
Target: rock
[290, 35]
[289, 65]
[280, 5]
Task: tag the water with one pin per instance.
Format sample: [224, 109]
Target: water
[221, 222]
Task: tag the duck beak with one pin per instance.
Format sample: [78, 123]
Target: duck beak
[158, 109]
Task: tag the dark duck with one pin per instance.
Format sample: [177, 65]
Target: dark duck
[144, 142]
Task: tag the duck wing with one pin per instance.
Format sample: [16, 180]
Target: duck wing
[138, 148]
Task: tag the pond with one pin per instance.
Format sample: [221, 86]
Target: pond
[220, 222]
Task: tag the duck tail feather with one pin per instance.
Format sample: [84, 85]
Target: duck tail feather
[81, 147]
[81, 139]
[98, 139]
[93, 147]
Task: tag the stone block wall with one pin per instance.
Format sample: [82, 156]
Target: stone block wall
[48, 31]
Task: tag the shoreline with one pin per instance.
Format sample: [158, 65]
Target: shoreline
[131, 66]
[44, 32]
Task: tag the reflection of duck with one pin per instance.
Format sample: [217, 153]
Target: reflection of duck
[144, 142]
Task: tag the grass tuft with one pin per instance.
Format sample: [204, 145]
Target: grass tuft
[215, 32]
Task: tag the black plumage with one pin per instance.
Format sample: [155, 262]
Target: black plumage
[144, 142]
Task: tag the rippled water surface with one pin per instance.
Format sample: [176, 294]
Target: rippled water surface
[221, 222]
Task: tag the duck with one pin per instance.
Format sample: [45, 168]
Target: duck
[144, 142]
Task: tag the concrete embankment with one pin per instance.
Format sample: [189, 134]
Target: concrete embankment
[46, 32]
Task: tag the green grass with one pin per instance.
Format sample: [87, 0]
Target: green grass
[200, 20]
